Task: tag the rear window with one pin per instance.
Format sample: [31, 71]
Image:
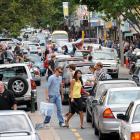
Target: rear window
[8, 73]
[103, 87]
[123, 97]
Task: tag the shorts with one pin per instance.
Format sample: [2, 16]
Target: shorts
[76, 106]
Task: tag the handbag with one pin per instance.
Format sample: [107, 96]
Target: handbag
[46, 109]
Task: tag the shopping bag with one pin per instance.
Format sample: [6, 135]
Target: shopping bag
[46, 109]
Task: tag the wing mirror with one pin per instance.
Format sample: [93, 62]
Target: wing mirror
[121, 116]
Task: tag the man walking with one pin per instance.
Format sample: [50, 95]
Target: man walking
[53, 95]
[7, 100]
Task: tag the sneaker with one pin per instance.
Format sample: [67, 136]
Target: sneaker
[62, 125]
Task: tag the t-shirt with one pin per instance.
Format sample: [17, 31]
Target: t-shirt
[77, 89]
[53, 84]
[7, 100]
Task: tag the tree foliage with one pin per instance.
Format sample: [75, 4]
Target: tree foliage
[15, 14]
[129, 9]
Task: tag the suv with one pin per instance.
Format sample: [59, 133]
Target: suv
[17, 77]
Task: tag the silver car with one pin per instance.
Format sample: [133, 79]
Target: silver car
[16, 125]
[111, 103]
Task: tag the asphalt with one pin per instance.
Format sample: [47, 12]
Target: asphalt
[54, 132]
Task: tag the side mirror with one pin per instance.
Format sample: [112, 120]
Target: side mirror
[121, 116]
[95, 101]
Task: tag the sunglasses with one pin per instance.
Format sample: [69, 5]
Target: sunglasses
[60, 72]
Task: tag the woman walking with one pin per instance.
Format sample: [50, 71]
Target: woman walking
[76, 101]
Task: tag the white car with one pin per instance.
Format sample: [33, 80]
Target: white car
[16, 125]
[130, 122]
[17, 77]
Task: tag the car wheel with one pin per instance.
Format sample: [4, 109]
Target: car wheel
[102, 136]
[88, 116]
[92, 121]
[18, 85]
[96, 131]
[115, 75]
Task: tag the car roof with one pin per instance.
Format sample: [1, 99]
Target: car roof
[70, 58]
[115, 81]
[124, 89]
[12, 112]
[136, 102]
[83, 51]
[12, 65]
[83, 64]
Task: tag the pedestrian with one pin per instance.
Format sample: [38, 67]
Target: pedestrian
[72, 68]
[76, 101]
[7, 100]
[53, 95]
[2, 54]
[51, 66]
[10, 55]
[65, 49]
[90, 58]
[17, 49]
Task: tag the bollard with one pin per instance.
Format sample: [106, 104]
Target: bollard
[32, 102]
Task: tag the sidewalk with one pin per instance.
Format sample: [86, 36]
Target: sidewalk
[123, 70]
[44, 133]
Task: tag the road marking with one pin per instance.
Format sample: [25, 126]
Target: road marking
[76, 133]
[73, 130]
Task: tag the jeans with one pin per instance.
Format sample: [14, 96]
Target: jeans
[56, 99]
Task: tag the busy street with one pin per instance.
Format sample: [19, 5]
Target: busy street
[70, 70]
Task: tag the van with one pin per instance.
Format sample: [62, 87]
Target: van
[60, 36]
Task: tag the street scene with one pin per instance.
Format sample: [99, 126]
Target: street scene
[70, 70]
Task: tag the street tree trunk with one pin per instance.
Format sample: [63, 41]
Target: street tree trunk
[120, 35]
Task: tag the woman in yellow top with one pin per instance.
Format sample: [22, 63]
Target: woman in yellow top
[76, 101]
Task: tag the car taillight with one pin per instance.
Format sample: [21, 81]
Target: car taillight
[135, 136]
[33, 84]
[108, 114]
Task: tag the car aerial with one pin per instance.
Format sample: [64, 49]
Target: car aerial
[17, 77]
[70, 60]
[129, 128]
[112, 102]
[19, 127]
[37, 61]
[109, 61]
[87, 78]
[101, 87]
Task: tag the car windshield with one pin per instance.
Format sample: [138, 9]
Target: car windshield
[123, 97]
[60, 36]
[103, 87]
[136, 117]
[14, 123]
[8, 73]
[84, 69]
[103, 56]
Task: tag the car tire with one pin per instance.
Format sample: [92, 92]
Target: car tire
[96, 131]
[102, 136]
[88, 116]
[116, 75]
[23, 83]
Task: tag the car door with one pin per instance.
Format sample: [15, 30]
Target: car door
[125, 125]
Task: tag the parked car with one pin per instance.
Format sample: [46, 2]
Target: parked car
[16, 125]
[38, 62]
[86, 77]
[70, 60]
[112, 102]
[100, 88]
[109, 61]
[17, 77]
[129, 128]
